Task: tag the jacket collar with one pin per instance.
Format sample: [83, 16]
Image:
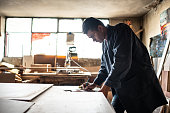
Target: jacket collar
[109, 31]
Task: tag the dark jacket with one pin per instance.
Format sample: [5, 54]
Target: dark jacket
[126, 67]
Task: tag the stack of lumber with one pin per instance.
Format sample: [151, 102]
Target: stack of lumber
[13, 71]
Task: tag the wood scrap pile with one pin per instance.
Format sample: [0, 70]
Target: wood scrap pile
[18, 78]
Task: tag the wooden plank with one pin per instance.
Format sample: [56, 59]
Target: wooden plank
[55, 74]
[138, 31]
[22, 91]
[64, 80]
[13, 106]
[75, 89]
[163, 57]
[7, 78]
[8, 68]
[47, 69]
[55, 100]
[61, 79]
[167, 64]
[27, 60]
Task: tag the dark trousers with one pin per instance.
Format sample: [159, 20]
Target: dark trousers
[117, 105]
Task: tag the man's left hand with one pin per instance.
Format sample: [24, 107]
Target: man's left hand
[105, 90]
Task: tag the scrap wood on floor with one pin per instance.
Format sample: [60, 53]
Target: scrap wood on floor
[18, 78]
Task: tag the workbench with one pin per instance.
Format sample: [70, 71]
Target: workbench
[54, 99]
[60, 79]
[62, 75]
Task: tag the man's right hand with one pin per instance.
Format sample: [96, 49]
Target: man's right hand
[89, 86]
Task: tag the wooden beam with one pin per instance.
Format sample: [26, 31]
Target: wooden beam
[138, 31]
[163, 57]
[7, 68]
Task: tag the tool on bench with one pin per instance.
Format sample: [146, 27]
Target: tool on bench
[84, 85]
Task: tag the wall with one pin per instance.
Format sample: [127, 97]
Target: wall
[2, 35]
[151, 22]
[135, 21]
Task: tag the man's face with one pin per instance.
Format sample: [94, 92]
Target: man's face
[97, 36]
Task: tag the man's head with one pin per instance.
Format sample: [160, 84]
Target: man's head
[94, 29]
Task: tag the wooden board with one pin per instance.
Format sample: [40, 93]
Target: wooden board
[67, 88]
[72, 67]
[55, 74]
[61, 79]
[64, 80]
[75, 89]
[22, 91]
[27, 60]
[13, 106]
[56, 101]
[163, 57]
[7, 78]
[41, 70]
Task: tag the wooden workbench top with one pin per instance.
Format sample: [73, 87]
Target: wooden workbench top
[55, 100]
[22, 91]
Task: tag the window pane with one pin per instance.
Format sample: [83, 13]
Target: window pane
[86, 48]
[61, 44]
[105, 21]
[44, 43]
[44, 25]
[70, 25]
[18, 44]
[18, 25]
[93, 50]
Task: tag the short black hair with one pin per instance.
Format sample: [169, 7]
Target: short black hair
[91, 24]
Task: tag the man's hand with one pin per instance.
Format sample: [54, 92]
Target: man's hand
[88, 86]
[105, 90]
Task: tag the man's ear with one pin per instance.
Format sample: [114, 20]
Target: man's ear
[100, 28]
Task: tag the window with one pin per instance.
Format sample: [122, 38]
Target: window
[31, 36]
[19, 44]
[44, 36]
[105, 21]
[86, 48]
[18, 25]
[18, 37]
[61, 44]
[44, 43]
[44, 25]
[70, 25]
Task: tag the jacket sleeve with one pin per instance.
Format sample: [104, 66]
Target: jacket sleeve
[101, 77]
[122, 56]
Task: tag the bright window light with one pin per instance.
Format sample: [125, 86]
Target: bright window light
[86, 48]
[18, 25]
[44, 25]
[61, 44]
[48, 37]
[19, 44]
[70, 25]
[44, 43]
[105, 21]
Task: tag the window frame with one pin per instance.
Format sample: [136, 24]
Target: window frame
[58, 18]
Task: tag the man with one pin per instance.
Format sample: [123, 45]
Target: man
[125, 68]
